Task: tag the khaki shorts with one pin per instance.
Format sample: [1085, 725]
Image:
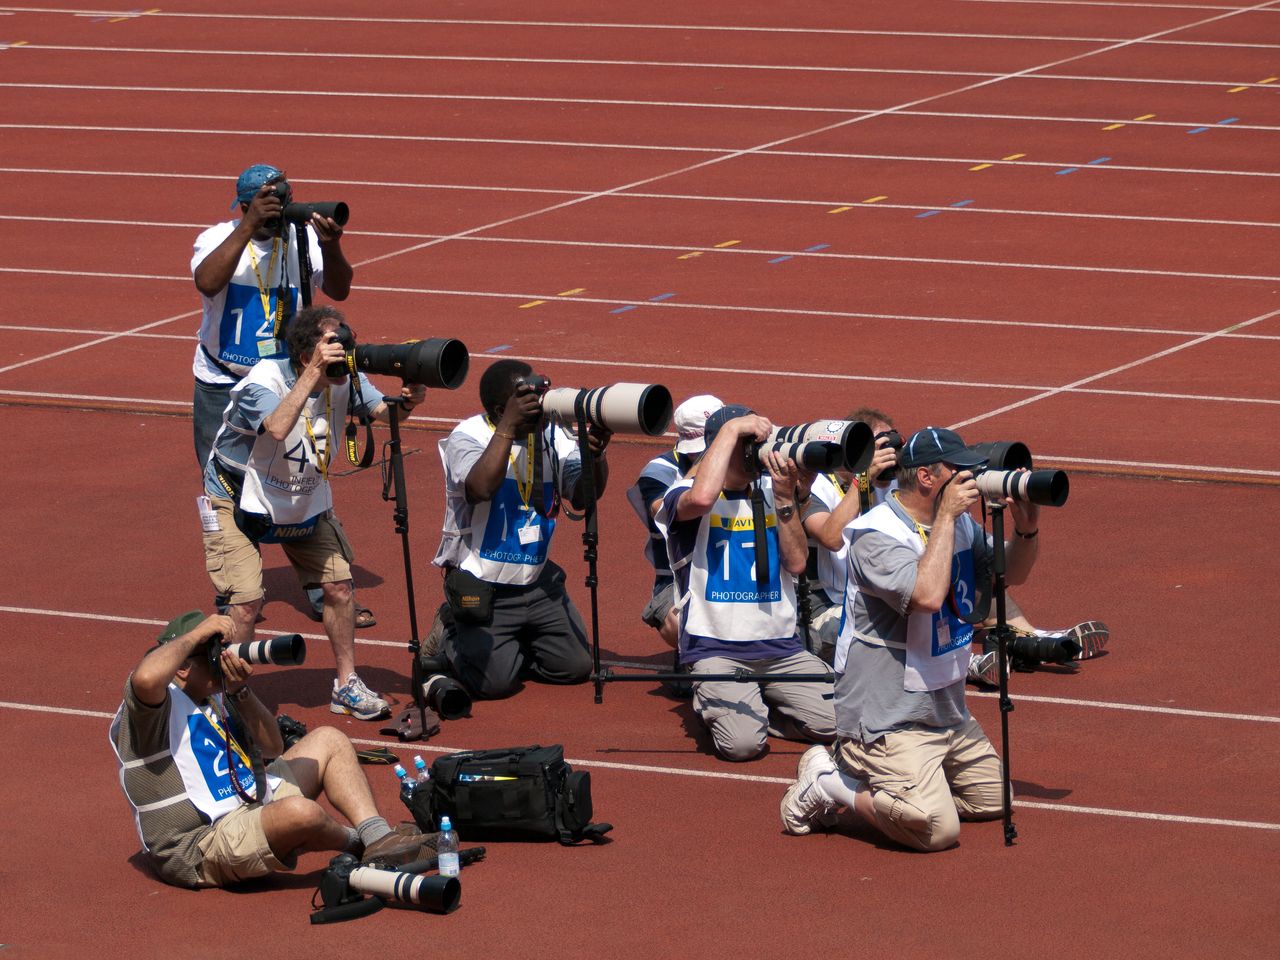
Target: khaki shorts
[236, 848]
[924, 781]
[234, 562]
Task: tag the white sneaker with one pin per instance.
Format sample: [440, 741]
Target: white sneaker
[803, 806]
[1092, 637]
[984, 668]
[357, 700]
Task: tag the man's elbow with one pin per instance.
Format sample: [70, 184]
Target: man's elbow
[208, 288]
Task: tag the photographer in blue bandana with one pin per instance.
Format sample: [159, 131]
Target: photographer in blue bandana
[190, 738]
[732, 614]
[268, 482]
[910, 760]
[507, 473]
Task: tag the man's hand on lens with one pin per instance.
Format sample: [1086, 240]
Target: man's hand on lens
[1026, 515]
[597, 439]
[327, 229]
[885, 458]
[753, 426]
[522, 411]
[235, 671]
[413, 394]
[219, 625]
[785, 475]
[957, 496]
[264, 207]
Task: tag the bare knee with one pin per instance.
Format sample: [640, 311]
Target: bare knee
[337, 594]
[326, 743]
[300, 816]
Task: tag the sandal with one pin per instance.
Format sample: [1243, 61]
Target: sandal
[364, 618]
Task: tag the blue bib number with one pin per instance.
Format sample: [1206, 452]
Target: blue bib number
[731, 565]
[950, 631]
[501, 542]
[243, 326]
[211, 756]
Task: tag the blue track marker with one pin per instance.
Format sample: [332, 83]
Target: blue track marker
[816, 247]
[1058, 173]
[1198, 130]
[1097, 160]
[499, 348]
[927, 213]
[661, 296]
[1228, 120]
[624, 308]
[780, 259]
[962, 203]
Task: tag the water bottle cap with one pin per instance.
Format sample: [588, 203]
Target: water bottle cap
[419, 763]
[398, 770]
[445, 824]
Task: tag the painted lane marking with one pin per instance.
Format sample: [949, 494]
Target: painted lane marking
[1114, 126]
[1065, 170]
[962, 203]
[780, 259]
[876, 199]
[1268, 80]
[1237, 89]
[570, 293]
[624, 308]
[1228, 120]
[981, 166]
[499, 348]
[727, 243]
[1198, 130]
[531, 303]
[660, 297]
[1146, 116]
[816, 247]
[690, 256]
[839, 209]
[1014, 156]
[927, 213]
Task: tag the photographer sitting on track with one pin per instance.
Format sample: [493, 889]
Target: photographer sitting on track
[912, 761]
[729, 616]
[268, 482]
[506, 472]
[188, 737]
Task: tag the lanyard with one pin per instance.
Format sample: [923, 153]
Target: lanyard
[322, 456]
[264, 292]
[924, 534]
[525, 489]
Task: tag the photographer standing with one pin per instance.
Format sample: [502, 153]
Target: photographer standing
[189, 739]
[268, 482]
[506, 472]
[732, 614]
[247, 272]
[912, 761]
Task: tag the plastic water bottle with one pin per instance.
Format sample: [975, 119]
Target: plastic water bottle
[406, 783]
[447, 849]
[424, 775]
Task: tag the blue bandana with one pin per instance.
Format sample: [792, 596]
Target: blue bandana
[251, 182]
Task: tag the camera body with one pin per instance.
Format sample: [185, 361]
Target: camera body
[301, 213]
[340, 368]
[535, 382]
[894, 438]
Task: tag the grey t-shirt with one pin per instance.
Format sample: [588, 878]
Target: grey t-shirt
[870, 696]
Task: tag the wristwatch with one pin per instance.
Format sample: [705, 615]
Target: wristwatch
[786, 513]
[240, 695]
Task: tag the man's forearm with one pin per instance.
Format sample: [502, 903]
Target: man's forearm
[215, 271]
[280, 421]
[1020, 557]
[261, 723]
[337, 271]
[933, 575]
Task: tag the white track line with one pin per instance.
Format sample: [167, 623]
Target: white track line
[1114, 370]
[664, 104]
[587, 62]
[720, 775]
[666, 148]
[591, 25]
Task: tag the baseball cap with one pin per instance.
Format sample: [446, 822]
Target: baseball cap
[938, 445]
[730, 411]
[691, 420]
[251, 181]
[181, 624]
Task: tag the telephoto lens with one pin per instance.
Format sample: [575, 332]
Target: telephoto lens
[620, 408]
[815, 456]
[287, 650]
[853, 437]
[446, 697]
[1049, 488]
[438, 362]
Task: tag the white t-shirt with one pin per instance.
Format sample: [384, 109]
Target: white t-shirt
[234, 328]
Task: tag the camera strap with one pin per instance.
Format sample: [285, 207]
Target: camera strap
[538, 499]
[359, 460]
[304, 264]
[250, 748]
[760, 536]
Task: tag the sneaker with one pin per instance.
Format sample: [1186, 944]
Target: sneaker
[357, 700]
[398, 848]
[1092, 636]
[984, 669]
[803, 806]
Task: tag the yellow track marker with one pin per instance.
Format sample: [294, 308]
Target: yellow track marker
[875, 199]
[689, 256]
[1145, 116]
[1014, 156]
[982, 166]
[570, 293]
[19, 43]
[1268, 80]
[1114, 126]
[839, 209]
[728, 243]
[531, 303]
[1237, 90]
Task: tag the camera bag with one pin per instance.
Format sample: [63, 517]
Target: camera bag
[514, 793]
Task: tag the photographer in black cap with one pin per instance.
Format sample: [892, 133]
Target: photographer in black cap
[912, 761]
[190, 738]
[506, 472]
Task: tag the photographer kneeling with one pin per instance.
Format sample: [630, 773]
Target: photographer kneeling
[912, 761]
[506, 472]
[730, 617]
[189, 738]
[268, 482]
